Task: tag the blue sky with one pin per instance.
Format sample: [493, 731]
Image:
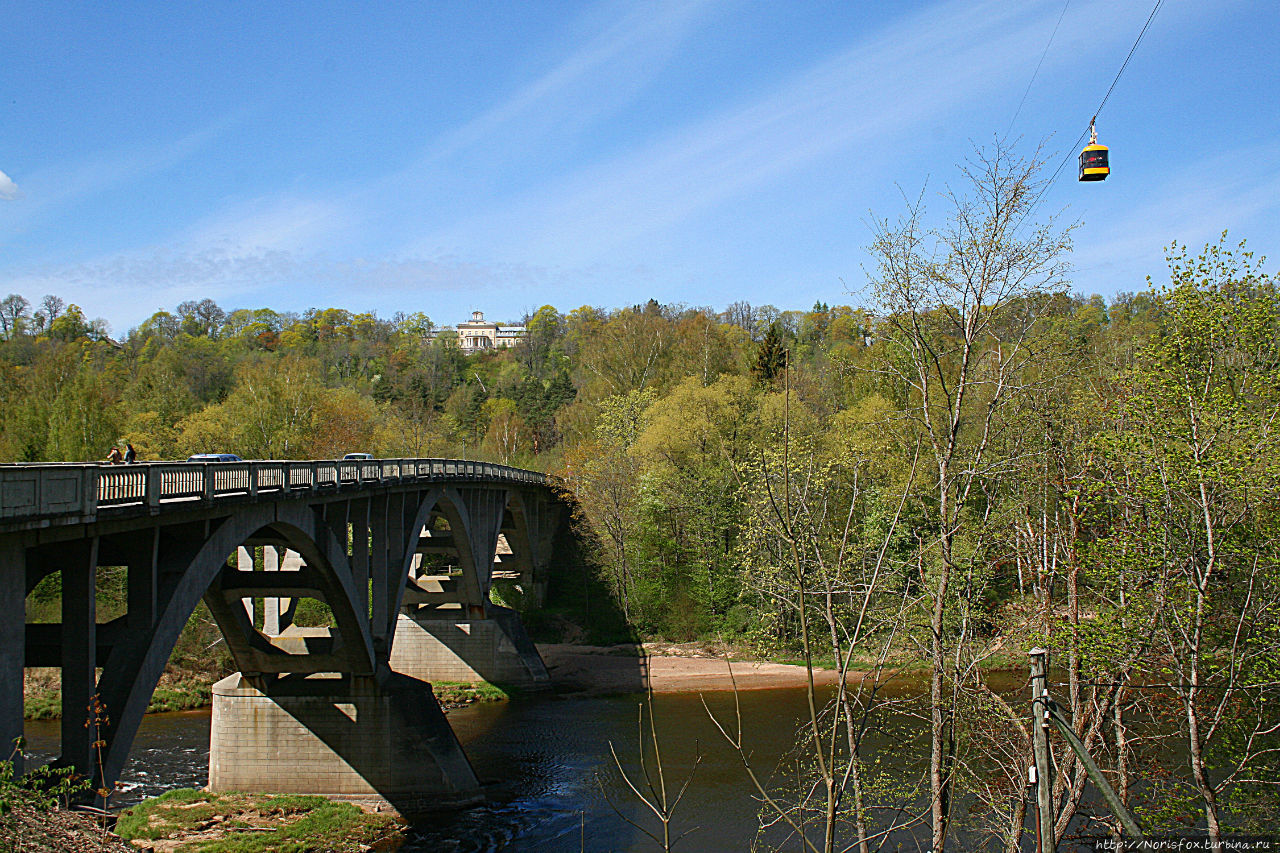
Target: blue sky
[450, 156]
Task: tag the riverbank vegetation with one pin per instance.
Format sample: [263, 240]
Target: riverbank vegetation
[186, 820]
[35, 816]
[976, 460]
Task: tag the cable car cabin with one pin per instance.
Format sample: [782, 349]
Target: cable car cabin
[1093, 163]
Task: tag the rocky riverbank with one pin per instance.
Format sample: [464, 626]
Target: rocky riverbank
[25, 828]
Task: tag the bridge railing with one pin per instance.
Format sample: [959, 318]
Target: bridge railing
[80, 489]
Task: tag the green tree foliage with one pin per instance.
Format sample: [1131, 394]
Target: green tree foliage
[980, 464]
[85, 417]
[688, 448]
[13, 314]
[962, 300]
[273, 413]
[771, 356]
[1193, 513]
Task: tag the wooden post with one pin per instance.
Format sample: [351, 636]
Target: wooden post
[1108, 793]
[1045, 842]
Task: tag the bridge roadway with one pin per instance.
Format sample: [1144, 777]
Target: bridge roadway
[403, 552]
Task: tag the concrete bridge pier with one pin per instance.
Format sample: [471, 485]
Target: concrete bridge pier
[380, 739]
[432, 644]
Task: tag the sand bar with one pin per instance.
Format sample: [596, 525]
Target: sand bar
[665, 668]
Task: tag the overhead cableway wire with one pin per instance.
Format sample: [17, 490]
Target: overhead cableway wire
[1072, 150]
[1045, 53]
[1125, 65]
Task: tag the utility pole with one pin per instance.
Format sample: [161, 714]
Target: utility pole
[1045, 842]
[1045, 713]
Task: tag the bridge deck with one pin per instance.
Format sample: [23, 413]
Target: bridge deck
[72, 492]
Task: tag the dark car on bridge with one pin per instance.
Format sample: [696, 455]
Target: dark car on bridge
[214, 457]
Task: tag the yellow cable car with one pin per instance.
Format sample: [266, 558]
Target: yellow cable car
[1093, 159]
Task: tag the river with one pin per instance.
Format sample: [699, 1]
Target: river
[547, 767]
[550, 776]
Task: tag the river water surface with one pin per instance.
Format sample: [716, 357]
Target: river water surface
[550, 776]
[547, 767]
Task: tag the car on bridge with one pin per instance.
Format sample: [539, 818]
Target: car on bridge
[214, 457]
[358, 456]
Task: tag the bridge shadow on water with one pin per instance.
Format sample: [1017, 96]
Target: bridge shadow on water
[410, 747]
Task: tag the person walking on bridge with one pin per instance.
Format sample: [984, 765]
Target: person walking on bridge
[115, 457]
[130, 455]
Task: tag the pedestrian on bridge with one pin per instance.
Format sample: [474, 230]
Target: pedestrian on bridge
[130, 455]
[115, 457]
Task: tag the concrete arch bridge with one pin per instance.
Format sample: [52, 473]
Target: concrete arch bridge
[403, 554]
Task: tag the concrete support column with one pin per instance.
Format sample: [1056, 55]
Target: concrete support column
[397, 543]
[244, 562]
[379, 739]
[495, 649]
[271, 607]
[536, 590]
[288, 561]
[485, 508]
[13, 577]
[359, 515]
[79, 652]
[143, 580]
[378, 559]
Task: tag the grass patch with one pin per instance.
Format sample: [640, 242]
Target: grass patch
[903, 663]
[183, 696]
[42, 705]
[454, 694]
[46, 703]
[255, 823]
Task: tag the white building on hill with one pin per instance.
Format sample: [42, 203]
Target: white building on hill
[477, 334]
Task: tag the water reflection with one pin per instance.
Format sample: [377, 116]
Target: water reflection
[547, 767]
[551, 778]
[554, 784]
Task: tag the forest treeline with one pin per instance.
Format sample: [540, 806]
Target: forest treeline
[974, 462]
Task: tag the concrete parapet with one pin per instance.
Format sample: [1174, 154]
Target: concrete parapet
[381, 739]
[434, 647]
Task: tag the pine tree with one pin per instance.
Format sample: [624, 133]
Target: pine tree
[771, 357]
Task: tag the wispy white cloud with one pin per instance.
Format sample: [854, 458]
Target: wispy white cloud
[129, 286]
[914, 74]
[847, 109]
[269, 224]
[8, 189]
[596, 78]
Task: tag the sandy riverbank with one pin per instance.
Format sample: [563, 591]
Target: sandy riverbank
[666, 668]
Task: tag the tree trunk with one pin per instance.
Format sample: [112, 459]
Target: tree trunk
[939, 711]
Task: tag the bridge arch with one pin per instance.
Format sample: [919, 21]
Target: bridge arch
[357, 527]
[476, 520]
[446, 503]
[134, 667]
